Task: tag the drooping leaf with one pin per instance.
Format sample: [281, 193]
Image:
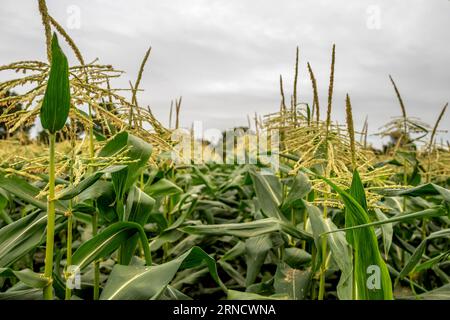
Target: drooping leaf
[248, 229]
[296, 257]
[27, 276]
[436, 211]
[139, 207]
[170, 293]
[161, 188]
[432, 262]
[74, 191]
[268, 194]
[232, 272]
[387, 230]
[137, 152]
[256, 249]
[442, 293]
[23, 190]
[300, 187]
[420, 250]
[429, 189]
[166, 237]
[204, 179]
[21, 291]
[144, 283]
[292, 282]
[108, 241]
[4, 200]
[21, 237]
[236, 251]
[102, 192]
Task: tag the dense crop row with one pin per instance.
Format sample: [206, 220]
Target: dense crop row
[98, 208]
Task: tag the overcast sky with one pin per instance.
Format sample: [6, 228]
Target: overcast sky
[225, 57]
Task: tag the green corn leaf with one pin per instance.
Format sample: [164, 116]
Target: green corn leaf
[291, 282]
[20, 237]
[74, 191]
[442, 293]
[436, 211]
[161, 188]
[299, 188]
[101, 189]
[21, 291]
[248, 229]
[268, 194]
[102, 192]
[170, 233]
[56, 104]
[339, 247]
[420, 250]
[137, 152]
[232, 272]
[296, 257]
[27, 192]
[4, 200]
[165, 237]
[27, 276]
[387, 229]
[170, 293]
[235, 252]
[372, 278]
[204, 179]
[433, 261]
[239, 295]
[139, 207]
[108, 241]
[429, 189]
[144, 283]
[257, 249]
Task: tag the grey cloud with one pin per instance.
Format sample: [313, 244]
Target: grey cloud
[225, 57]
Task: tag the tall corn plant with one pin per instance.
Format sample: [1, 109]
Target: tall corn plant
[53, 114]
[371, 276]
[371, 280]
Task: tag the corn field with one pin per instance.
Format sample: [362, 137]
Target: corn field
[97, 207]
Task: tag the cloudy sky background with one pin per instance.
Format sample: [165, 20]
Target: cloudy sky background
[225, 57]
